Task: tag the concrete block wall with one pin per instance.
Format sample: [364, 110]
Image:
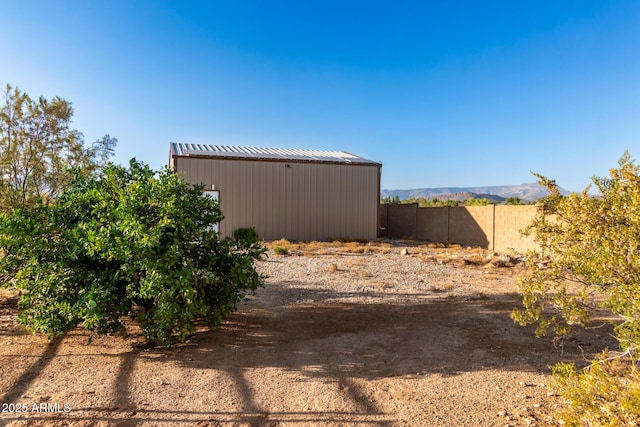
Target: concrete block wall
[493, 227]
[432, 224]
[401, 220]
[471, 226]
[509, 222]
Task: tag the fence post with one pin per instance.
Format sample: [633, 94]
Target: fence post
[493, 229]
[448, 221]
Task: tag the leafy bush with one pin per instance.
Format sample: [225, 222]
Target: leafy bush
[128, 237]
[247, 234]
[588, 260]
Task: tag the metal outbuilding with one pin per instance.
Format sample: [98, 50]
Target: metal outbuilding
[284, 193]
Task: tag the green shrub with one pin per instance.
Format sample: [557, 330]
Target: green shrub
[280, 250]
[128, 237]
[247, 234]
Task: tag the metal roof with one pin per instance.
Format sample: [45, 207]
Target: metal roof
[261, 153]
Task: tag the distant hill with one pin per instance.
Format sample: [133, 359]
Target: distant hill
[526, 192]
[464, 195]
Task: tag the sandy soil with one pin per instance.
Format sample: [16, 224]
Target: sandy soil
[335, 338]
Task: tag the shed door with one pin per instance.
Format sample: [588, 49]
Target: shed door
[215, 195]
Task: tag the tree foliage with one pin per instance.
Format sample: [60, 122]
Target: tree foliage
[472, 201]
[436, 202]
[423, 202]
[515, 200]
[127, 239]
[588, 261]
[37, 147]
[388, 200]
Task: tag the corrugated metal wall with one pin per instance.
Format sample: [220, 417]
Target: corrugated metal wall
[296, 201]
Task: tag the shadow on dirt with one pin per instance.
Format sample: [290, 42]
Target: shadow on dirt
[378, 339]
[335, 338]
[35, 370]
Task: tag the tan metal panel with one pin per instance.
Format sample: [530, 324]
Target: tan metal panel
[304, 201]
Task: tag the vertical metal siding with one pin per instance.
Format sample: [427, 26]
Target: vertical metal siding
[306, 201]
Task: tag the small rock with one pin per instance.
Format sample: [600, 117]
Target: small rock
[404, 251]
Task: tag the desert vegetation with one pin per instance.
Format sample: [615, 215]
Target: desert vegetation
[38, 147]
[410, 334]
[435, 202]
[94, 244]
[129, 240]
[85, 243]
[587, 264]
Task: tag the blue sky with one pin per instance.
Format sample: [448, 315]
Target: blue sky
[443, 93]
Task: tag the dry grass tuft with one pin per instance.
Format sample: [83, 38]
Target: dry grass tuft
[447, 258]
[475, 259]
[334, 247]
[449, 286]
[440, 253]
[384, 285]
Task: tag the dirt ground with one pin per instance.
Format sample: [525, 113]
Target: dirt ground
[341, 335]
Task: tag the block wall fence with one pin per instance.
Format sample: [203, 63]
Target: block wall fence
[492, 227]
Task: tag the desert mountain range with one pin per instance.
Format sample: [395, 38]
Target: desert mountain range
[526, 192]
